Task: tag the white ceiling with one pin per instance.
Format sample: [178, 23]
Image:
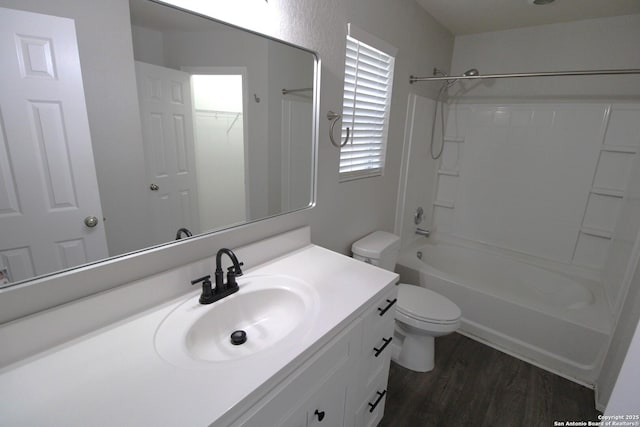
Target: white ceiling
[477, 16]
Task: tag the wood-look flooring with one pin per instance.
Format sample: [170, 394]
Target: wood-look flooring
[475, 385]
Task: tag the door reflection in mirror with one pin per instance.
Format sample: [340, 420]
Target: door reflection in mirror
[48, 181]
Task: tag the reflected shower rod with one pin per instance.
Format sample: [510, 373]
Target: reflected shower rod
[304, 89]
[413, 79]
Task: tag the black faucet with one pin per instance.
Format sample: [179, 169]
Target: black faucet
[182, 231]
[209, 294]
[232, 272]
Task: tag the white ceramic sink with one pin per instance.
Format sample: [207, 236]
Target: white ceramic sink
[272, 310]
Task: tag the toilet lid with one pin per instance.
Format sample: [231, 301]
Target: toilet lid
[423, 304]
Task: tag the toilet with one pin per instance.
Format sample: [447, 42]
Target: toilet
[421, 314]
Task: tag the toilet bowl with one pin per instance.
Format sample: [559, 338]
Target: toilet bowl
[421, 314]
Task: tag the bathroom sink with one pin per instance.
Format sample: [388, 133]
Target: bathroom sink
[271, 311]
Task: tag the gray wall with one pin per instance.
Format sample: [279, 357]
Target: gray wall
[582, 45]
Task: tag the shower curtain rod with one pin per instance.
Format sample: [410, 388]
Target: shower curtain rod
[413, 79]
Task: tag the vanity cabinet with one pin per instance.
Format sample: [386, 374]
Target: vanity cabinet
[343, 384]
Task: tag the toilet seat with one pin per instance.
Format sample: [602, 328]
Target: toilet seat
[424, 305]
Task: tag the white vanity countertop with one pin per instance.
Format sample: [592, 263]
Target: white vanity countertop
[114, 376]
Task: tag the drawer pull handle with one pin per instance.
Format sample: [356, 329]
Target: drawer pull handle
[378, 351]
[384, 310]
[319, 414]
[380, 396]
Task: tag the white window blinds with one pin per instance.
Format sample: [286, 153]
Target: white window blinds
[365, 109]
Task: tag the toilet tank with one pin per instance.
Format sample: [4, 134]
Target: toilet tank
[378, 248]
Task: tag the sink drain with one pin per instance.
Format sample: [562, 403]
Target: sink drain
[238, 337]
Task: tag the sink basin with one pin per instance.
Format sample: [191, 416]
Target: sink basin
[273, 311]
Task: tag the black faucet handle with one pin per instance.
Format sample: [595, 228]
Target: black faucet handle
[238, 270]
[235, 269]
[203, 279]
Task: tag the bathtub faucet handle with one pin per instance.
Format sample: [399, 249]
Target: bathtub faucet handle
[423, 232]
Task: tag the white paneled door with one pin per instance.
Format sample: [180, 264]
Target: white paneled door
[48, 184]
[167, 128]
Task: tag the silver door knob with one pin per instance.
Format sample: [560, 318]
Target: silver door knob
[154, 187]
[91, 221]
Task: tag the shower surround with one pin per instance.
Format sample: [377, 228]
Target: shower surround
[544, 179]
[524, 213]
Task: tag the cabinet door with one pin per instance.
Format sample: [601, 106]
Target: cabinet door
[326, 407]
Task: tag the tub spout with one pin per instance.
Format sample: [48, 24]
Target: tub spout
[423, 232]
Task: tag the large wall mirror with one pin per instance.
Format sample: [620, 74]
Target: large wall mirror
[127, 124]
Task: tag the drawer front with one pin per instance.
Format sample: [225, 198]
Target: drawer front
[371, 411]
[377, 342]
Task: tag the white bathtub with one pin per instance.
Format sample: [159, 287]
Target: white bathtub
[551, 315]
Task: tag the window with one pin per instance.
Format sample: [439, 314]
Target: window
[368, 80]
